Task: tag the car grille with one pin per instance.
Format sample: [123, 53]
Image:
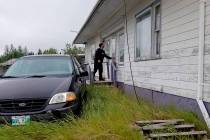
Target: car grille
[23, 105]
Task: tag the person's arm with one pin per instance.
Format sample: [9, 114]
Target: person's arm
[108, 57]
[105, 55]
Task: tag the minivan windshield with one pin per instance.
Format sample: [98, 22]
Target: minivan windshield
[41, 66]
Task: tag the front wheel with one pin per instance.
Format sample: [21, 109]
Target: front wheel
[78, 111]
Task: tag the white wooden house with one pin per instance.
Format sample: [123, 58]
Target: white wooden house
[169, 45]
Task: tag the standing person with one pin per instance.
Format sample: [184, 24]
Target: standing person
[98, 61]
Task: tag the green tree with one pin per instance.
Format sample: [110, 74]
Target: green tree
[39, 52]
[50, 51]
[73, 50]
[12, 52]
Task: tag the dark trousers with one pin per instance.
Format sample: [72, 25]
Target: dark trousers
[98, 67]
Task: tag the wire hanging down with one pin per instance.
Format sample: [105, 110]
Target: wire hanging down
[129, 55]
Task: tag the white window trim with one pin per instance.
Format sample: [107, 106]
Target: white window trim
[122, 32]
[138, 58]
[144, 11]
[93, 55]
[156, 56]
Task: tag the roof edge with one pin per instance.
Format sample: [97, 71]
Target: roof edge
[98, 4]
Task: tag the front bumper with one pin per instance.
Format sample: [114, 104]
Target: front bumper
[61, 108]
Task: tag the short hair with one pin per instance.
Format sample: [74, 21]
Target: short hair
[101, 44]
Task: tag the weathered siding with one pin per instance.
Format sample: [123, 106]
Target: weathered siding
[176, 72]
[207, 54]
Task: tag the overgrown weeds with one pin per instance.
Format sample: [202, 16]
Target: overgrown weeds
[108, 114]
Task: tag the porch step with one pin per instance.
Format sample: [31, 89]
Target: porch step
[197, 135]
[169, 129]
[144, 123]
[107, 82]
[178, 128]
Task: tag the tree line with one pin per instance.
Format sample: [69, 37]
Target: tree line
[11, 52]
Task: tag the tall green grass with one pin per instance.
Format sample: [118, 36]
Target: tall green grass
[108, 114]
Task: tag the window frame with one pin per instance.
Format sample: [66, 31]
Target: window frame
[155, 48]
[151, 8]
[120, 33]
[138, 17]
[93, 49]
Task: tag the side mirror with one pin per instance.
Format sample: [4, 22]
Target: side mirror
[84, 65]
[84, 74]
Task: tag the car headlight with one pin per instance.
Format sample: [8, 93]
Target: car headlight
[63, 98]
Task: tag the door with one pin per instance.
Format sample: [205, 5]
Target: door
[110, 46]
[110, 49]
[113, 45]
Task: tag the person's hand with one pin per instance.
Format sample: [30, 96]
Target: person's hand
[99, 61]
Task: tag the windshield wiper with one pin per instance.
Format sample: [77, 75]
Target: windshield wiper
[8, 77]
[35, 76]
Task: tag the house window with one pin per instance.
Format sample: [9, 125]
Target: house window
[157, 29]
[148, 25]
[93, 49]
[107, 46]
[121, 46]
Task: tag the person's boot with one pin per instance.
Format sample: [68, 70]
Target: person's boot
[102, 79]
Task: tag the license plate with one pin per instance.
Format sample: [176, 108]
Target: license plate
[20, 120]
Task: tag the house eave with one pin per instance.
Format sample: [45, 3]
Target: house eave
[101, 14]
[91, 15]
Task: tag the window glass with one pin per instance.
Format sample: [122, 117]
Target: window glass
[143, 48]
[148, 33]
[93, 49]
[121, 46]
[107, 46]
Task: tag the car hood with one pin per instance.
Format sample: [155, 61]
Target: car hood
[20, 88]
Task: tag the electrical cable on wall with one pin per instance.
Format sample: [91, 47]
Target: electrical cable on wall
[129, 55]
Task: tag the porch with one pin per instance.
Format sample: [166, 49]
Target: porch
[110, 74]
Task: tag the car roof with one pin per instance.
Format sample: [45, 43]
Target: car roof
[47, 55]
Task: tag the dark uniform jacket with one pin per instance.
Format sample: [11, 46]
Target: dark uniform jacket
[99, 55]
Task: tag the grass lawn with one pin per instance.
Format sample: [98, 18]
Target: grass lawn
[107, 115]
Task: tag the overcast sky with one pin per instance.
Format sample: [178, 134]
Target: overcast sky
[41, 23]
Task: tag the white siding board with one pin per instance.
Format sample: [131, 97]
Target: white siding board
[184, 52]
[171, 83]
[180, 37]
[207, 40]
[192, 16]
[179, 45]
[177, 69]
[180, 13]
[168, 4]
[208, 9]
[207, 22]
[168, 76]
[207, 30]
[181, 5]
[181, 29]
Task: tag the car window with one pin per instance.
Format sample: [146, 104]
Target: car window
[41, 66]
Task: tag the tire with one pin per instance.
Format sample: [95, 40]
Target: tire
[77, 112]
